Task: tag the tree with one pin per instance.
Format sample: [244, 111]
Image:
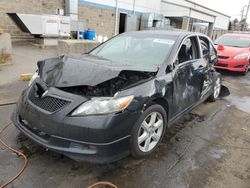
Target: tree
[235, 21]
[243, 24]
[235, 25]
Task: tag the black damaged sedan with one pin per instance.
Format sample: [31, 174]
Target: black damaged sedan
[120, 98]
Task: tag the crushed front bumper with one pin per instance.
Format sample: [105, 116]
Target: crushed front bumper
[98, 139]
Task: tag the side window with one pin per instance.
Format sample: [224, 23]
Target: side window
[208, 51]
[188, 50]
[204, 47]
[212, 51]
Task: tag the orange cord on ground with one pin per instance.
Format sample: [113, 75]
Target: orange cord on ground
[26, 161]
[103, 183]
[15, 151]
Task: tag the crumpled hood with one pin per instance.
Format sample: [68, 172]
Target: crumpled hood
[82, 70]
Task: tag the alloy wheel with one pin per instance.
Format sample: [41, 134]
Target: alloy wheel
[248, 67]
[150, 131]
[217, 88]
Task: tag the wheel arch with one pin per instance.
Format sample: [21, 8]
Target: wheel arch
[164, 103]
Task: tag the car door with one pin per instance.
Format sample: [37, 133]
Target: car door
[188, 74]
[208, 53]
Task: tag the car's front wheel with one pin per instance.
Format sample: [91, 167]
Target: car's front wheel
[148, 131]
[247, 69]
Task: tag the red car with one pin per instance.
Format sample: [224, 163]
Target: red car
[233, 52]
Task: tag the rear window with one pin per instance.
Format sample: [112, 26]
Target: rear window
[234, 41]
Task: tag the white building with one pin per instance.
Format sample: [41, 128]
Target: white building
[183, 14]
[110, 17]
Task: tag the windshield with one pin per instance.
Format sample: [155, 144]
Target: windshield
[234, 41]
[131, 50]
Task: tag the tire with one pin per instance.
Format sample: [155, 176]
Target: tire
[216, 88]
[246, 71]
[146, 131]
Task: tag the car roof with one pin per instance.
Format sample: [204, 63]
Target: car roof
[176, 33]
[237, 34]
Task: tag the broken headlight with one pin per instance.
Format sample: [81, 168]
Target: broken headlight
[103, 105]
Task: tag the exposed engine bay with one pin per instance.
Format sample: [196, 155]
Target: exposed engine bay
[108, 88]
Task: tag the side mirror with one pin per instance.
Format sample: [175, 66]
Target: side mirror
[205, 52]
[175, 63]
[212, 59]
[171, 67]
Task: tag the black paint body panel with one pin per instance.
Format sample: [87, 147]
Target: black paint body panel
[106, 138]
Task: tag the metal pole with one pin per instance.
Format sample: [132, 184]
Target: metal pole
[242, 13]
[116, 16]
[134, 7]
[245, 24]
[241, 19]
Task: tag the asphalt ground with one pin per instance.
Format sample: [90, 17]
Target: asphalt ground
[209, 147]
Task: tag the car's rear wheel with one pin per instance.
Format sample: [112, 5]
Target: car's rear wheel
[148, 131]
[216, 89]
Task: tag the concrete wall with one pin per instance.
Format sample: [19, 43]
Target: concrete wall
[221, 22]
[25, 6]
[98, 17]
[102, 20]
[5, 48]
